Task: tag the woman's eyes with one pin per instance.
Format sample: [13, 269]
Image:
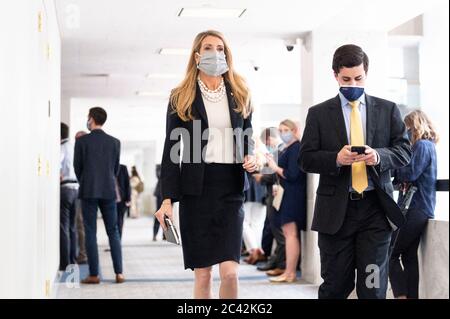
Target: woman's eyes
[210, 48]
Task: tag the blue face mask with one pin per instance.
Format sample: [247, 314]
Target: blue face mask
[270, 149]
[286, 137]
[213, 63]
[88, 125]
[351, 93]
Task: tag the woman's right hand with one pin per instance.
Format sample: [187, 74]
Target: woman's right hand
[274, 190]
[164, 211]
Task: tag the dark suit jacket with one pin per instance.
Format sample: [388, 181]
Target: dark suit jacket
[123, 181]
[96, 163]
[188, 179]
[325, 135]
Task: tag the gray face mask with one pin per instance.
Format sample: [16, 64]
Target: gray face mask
[213, 63]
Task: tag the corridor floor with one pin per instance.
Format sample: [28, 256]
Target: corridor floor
[154, 270]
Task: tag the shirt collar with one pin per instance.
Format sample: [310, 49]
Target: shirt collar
[344, 101]
[64, 141]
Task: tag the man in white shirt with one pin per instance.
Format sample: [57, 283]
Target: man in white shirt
[68, 196]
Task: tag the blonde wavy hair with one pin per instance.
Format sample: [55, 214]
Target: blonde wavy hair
[421, 127]
[293, 126]
[183, 96]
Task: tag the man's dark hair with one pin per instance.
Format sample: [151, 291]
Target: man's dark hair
[64, 131]
[349, 56]
[98, 114]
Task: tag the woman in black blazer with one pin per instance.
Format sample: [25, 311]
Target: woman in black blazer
[210, 113]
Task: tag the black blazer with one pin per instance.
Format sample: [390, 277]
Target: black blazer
[123, 181]
[325, 135]
[96, 163]
[177, 180]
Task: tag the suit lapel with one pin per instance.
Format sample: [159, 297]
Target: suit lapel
[234, 116]
[338, 119]
[371, 120]
[199, 105]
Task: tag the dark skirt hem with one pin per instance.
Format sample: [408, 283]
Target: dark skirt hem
[219, 261]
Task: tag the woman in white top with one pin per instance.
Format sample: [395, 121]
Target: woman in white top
[210, 112]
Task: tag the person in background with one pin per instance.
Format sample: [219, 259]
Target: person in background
[254, 221]
[136, 188]
[421, 173]
[276, 264]
[96, 163]
[69, 193]
[82, 255]
[293, 204]
[157, 194]
[123, 196]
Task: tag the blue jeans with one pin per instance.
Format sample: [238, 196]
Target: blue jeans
[109, 214]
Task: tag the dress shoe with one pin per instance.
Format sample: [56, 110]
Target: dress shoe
[266, 266]
[275, 272]
[120, 279]
[283, 279]
[255, 256]
[91, 280]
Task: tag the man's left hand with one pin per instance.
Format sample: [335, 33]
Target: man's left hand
[371, 157]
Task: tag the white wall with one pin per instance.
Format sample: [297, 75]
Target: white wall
[434, 83]
[29, 130]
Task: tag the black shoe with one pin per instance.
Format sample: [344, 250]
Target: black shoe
[266, 266]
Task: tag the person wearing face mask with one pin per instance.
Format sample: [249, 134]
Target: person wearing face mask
[354, 212]
[293, 205]
[272, 229]
[421, 173]
[96, 163]
[210, 110]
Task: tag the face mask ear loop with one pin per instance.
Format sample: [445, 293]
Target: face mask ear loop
[199, 59]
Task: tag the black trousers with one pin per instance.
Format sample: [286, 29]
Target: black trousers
[279, 257]
[267, 237]
[121, 210]
[156, 222]
[67, 227]
[405, 280]
[362, 244]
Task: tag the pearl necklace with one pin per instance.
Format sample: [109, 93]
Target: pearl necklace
[214, 96]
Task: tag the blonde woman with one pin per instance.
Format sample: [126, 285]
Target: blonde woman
[422, 173]
[210, 112]
[293, 205]
[135, 180]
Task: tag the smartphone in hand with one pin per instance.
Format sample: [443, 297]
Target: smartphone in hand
[358, 149]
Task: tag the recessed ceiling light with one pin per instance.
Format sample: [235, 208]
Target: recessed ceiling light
[95, 75]
[174, 51]
[211, 12]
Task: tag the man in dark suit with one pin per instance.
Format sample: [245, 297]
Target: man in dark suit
[354, 210]
[123, 196]
[96, 165]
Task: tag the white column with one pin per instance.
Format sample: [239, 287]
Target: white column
[434, 82]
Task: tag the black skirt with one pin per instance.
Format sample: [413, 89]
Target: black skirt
[211, 224]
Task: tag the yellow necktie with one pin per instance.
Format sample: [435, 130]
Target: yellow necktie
[359, 173]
